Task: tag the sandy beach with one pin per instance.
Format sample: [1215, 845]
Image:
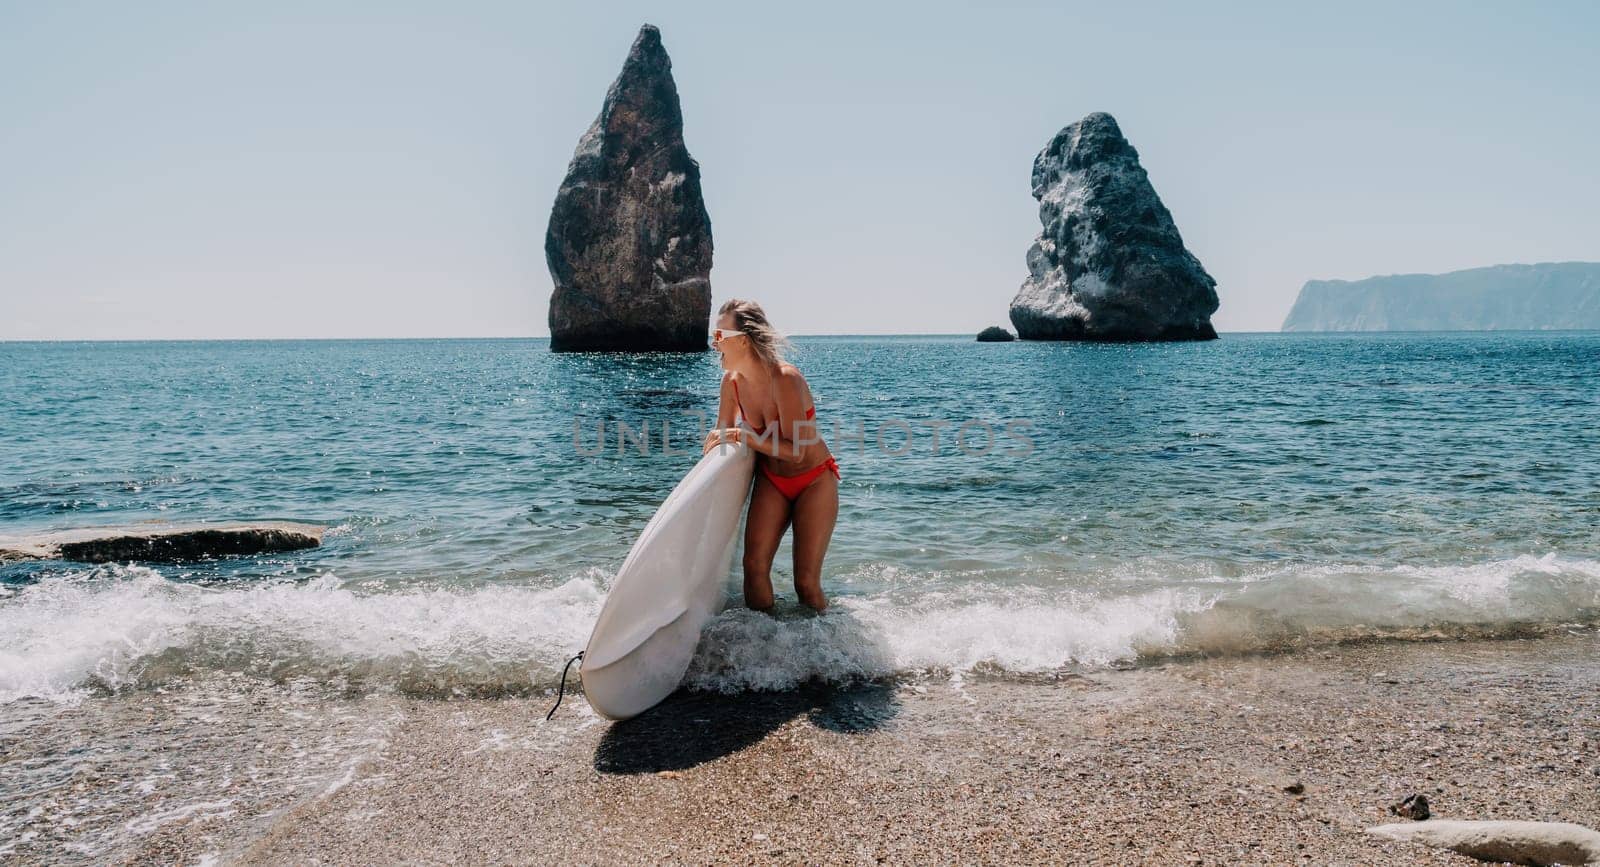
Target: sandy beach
[1262, 759]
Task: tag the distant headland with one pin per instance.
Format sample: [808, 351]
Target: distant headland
[1543, 297]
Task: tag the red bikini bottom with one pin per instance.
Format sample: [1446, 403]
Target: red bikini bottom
[791, 487]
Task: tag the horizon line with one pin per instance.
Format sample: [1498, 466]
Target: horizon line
[961, 334]
[479, 337]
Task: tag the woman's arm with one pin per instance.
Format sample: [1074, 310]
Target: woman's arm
[727, 403]
[767, 442]
[727, 407]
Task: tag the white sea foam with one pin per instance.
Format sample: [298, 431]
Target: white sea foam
[202, 810]
[875, 636]
[118, 627]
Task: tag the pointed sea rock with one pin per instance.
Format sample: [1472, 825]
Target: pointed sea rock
[629, 243]
[1109, 263]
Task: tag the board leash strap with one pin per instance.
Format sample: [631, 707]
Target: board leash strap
[563, 690]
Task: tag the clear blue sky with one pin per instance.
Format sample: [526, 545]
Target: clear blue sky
[303, 169]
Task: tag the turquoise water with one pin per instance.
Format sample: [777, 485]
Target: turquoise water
[1252, 492]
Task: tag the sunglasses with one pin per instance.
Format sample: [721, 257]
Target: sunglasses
[720, 334]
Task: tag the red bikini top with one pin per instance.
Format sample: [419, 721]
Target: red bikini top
[811, 411]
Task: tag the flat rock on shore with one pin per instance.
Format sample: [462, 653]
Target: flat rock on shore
[164, 542]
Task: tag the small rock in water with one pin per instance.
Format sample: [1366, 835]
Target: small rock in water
[995, 334]
[1413, 806]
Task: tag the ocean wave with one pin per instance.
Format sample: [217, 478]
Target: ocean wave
[126, 627]
[118, 627]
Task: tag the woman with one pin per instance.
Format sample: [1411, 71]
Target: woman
[767, 405]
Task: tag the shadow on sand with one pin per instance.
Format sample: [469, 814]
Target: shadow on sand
[691, 728]
[756, 654]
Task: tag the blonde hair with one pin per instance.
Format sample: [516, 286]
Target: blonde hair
[765, 340]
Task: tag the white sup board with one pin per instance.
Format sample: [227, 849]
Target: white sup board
[673, 582]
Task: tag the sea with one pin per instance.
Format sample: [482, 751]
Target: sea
[1009, 508]
[1015, 510]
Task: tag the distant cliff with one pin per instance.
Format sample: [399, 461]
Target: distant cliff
[1548, 296]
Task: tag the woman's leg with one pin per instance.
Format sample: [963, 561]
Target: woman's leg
[764, 525]
[815, 511]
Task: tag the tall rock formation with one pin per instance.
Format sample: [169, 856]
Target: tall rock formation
[1109, 263]
[1550, 295]
[629, 243]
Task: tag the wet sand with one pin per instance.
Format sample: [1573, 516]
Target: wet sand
[1244, 760]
